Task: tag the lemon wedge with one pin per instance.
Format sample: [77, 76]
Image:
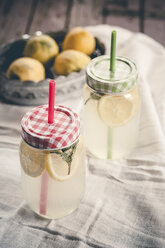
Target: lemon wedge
[32, 160]
[58, 168]
[116, 111]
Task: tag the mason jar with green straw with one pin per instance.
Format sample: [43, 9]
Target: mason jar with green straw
[111, 105]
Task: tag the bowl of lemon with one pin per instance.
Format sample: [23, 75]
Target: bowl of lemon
[27, 65]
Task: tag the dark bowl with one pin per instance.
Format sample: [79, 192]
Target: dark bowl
[30, 93]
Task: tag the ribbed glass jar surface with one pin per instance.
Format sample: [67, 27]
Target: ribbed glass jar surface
[111, 108]
[53, 180]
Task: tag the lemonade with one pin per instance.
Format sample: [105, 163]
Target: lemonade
[53, 179]
[111, 108]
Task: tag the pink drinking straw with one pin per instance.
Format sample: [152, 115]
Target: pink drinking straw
[44, 193]
[51, 101]
[44, 179]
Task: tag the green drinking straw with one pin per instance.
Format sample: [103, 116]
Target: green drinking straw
[112, 69]
[113, 51]
[110, 138]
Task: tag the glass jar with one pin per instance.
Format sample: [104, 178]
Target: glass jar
[52, 162]
[111, 108]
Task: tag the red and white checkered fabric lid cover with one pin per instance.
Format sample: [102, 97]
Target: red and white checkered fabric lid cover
[37, 132]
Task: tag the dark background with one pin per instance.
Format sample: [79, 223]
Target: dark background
[27, 16]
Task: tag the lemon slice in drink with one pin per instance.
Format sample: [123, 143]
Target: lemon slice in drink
[58, 168]
[32, 160]
[116, 111]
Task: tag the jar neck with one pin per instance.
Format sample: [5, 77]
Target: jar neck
[41, 149]
[112, 93]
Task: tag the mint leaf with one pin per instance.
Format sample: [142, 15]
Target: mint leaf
[67, 154]
[94, 96]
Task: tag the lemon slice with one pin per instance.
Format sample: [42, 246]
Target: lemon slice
[116, 111]
[32, 160]
[135, 94]
[58, 168]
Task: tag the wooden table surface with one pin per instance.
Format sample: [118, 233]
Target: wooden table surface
[27, 16]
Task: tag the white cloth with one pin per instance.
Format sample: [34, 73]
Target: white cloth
[124, 203]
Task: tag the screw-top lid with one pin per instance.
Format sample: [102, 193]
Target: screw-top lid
[63, 132]
[101, 79]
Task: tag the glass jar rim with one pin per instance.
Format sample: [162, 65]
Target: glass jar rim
[61, 133]
[127, 61]
[111, 85]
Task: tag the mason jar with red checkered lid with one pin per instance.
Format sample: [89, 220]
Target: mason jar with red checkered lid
[52, 161]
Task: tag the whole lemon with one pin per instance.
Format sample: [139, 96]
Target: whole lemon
[69, 61]
[42, 48]
[26, 69]
[79, 39]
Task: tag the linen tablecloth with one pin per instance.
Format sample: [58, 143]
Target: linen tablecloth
[124, 203]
